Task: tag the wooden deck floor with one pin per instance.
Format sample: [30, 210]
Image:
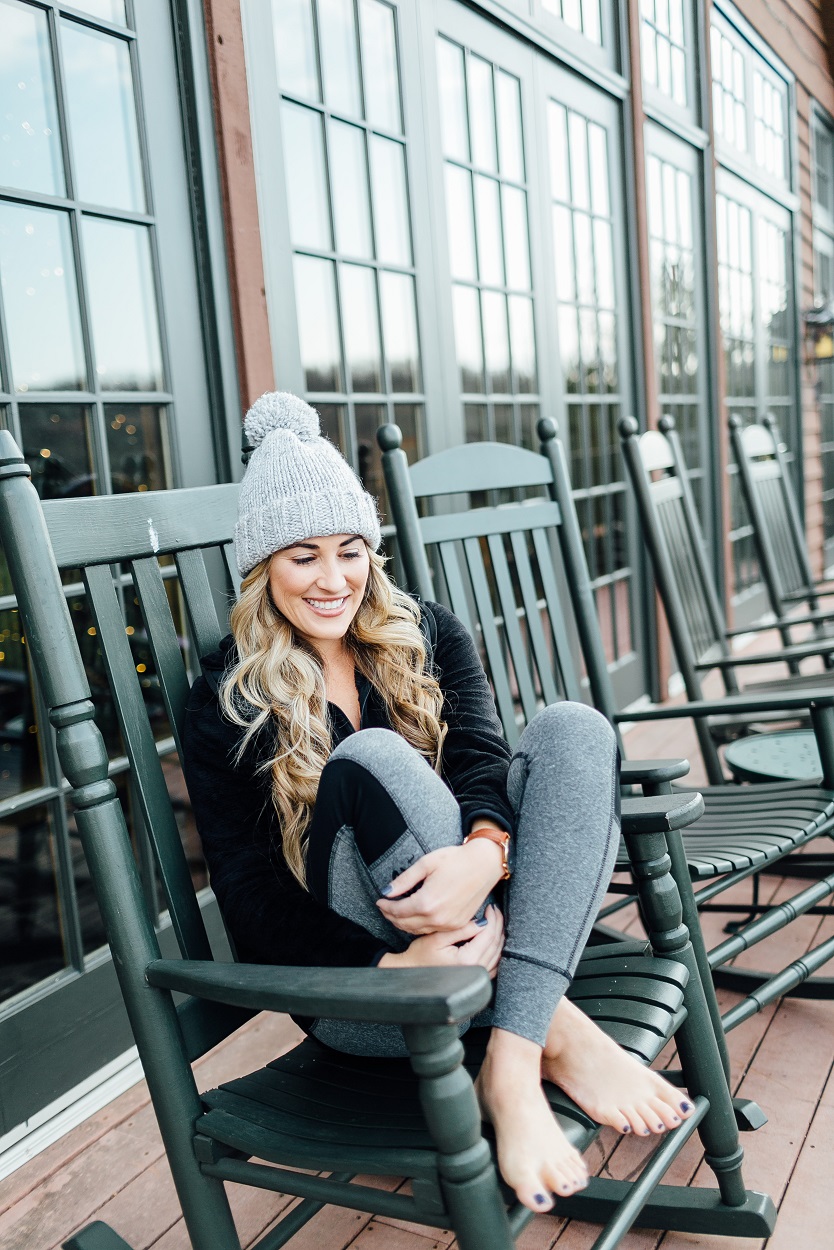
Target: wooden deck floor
[112, 1166]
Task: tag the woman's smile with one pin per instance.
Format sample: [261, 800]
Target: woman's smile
[327, 607]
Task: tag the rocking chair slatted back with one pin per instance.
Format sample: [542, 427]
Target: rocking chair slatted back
[771, 504]
[131, 547]
[497, 566]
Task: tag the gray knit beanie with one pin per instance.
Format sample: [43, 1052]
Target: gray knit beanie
[297, 485]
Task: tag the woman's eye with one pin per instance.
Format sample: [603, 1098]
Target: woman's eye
[304, 560]
[351, 555]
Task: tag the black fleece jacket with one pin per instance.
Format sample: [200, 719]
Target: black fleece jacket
[270, 917]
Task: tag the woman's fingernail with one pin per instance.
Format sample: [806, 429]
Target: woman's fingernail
[388, 889]
[482, 923]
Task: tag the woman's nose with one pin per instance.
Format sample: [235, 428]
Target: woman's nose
[332, 577]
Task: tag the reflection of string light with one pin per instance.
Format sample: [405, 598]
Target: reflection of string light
[129, 630]
[46, 453]
[141, 668]
[130, 429]
[92, 631]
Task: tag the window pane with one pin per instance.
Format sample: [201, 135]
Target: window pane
[475, 423]
[331, 421]
[563, 248]
[123, 313]
[379, 60]
[349, 180]
[470, 354]
[102, 118]
[409, 417]
[369, 417]
[318, 326]
[137, 444]
[482, 114]
[57, 443]
[496, 341]
[452, 90]
[360, 323]
[295, 49]
[108, 10]
[31, 947]
[488, 217]
[37, 279]
[340, 67]
[598, 145]
[399, 328]
[306, 180]
[393, 236]
[557, 132]
[30, 151]
[510, 146]
[523, 342]
[577, 130]
[460, 222]
[516, 244]
[21, 766]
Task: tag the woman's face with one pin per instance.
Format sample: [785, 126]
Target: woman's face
[318, 584]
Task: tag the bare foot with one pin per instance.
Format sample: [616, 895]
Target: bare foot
[608, 1084]
[534, 1156]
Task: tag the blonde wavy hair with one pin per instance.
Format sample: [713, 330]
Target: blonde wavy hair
[278, 680]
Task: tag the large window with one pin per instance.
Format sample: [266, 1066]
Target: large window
[102, 366]
[586, 278]
[489, 250]
[756, 301]
[751, 102]
[678, 314]
[345, 160]
[663, 48]
[755, 243]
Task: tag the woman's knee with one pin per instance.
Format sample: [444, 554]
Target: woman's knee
[572, 727]
[372, 747]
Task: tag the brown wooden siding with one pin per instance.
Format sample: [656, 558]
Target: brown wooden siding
[240, 205]
[800, 32]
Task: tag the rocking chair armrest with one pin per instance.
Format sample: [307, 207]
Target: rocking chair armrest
[799, 651]
[379, 995]
[640, 772]
[661, 813]
[770, 701]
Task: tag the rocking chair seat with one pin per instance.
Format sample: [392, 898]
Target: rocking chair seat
[752, 826]
[320, 1108]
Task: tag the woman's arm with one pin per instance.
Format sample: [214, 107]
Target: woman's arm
[270, 917]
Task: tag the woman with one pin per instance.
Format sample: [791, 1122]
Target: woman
[333, 841]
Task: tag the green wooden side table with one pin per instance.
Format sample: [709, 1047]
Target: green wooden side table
[788, 756]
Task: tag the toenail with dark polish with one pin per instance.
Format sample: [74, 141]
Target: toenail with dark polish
[540, 1199]
[645, 1132]
[626, 1128]
[660, 1128]
[676, 1119]
[686, 1106]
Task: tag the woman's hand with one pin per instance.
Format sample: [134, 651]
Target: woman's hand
[482, 941]
[453, 883]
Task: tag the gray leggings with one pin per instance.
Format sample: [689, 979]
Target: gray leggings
[563, 787]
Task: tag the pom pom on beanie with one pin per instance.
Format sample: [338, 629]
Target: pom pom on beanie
[297, 485]
[280, 410]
